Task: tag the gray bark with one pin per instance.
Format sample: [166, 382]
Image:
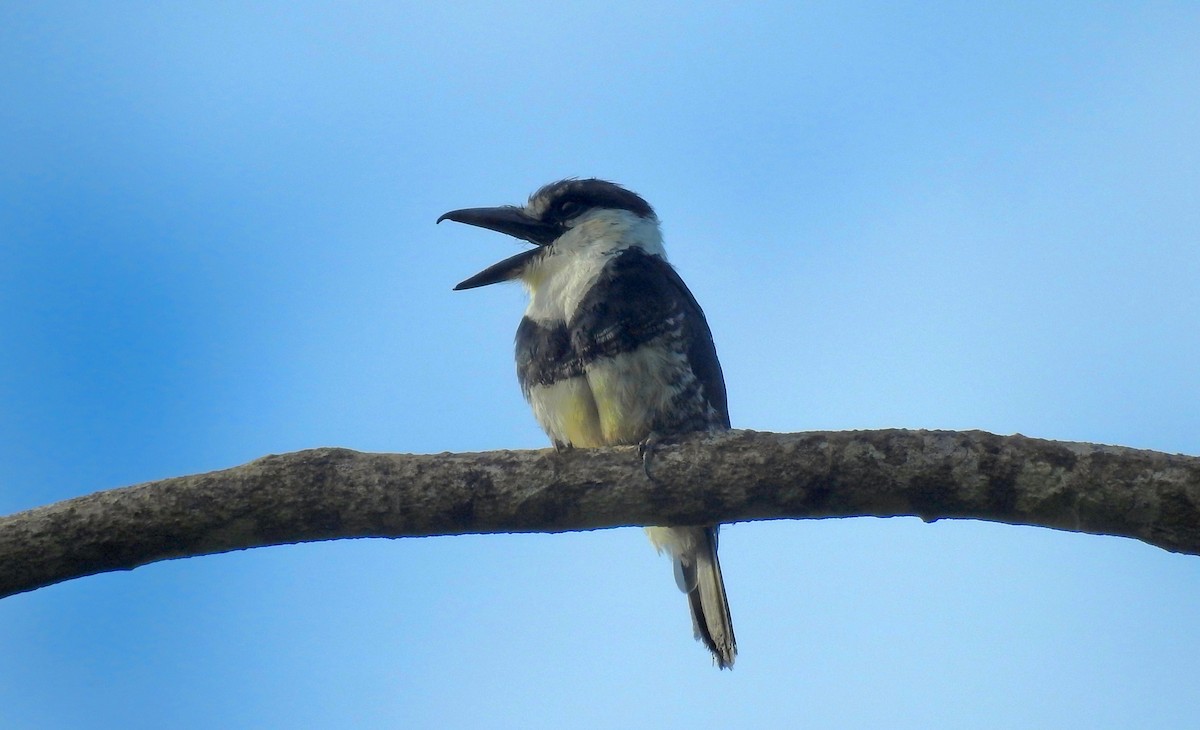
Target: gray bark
[325, 494]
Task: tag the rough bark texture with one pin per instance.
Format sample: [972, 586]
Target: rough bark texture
[324, 494]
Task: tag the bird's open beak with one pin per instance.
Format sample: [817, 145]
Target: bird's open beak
[512, 221]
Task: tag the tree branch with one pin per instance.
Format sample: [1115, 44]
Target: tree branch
[325, 494]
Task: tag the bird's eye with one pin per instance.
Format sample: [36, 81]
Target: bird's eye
[569, 209]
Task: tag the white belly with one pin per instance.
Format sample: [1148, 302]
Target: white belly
[616, 401]
[567, 413]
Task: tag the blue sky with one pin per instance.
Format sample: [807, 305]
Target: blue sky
[217, 242]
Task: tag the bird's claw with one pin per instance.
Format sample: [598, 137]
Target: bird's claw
[646, 451]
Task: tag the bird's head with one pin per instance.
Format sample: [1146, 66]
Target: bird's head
[561, 219]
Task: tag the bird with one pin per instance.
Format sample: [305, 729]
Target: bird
[613, 349]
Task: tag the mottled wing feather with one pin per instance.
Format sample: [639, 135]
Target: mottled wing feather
[702, 352]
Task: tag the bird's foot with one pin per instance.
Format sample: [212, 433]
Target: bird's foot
[646, 451]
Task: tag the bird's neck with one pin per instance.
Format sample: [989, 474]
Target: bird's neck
[558, 281]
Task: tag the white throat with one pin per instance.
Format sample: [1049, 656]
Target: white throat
[560, 279]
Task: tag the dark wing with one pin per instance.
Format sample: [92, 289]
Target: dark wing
[702, 351]
[638, 298]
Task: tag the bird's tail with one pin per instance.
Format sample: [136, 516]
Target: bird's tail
[698, 574]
